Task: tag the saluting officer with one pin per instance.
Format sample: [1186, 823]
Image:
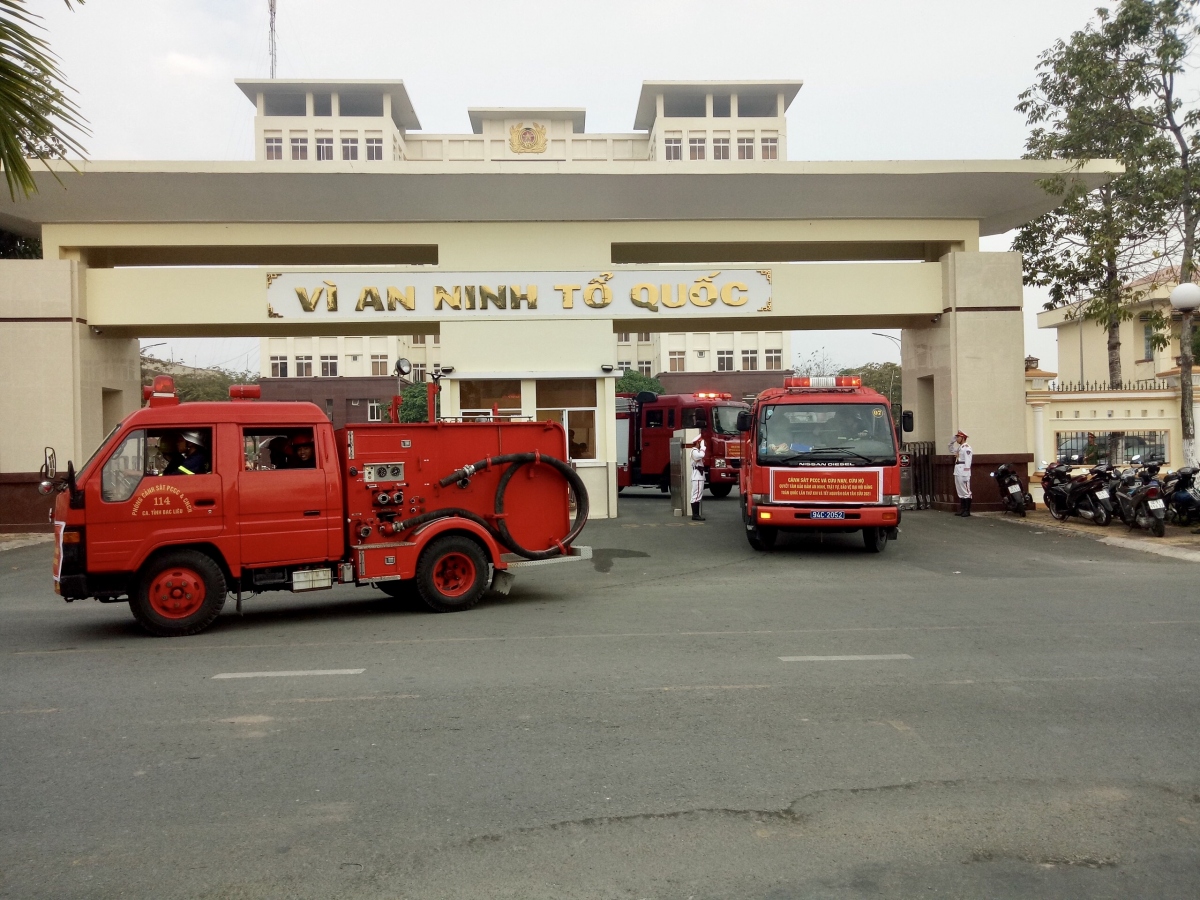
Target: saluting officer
[697, 484]
[962, 453]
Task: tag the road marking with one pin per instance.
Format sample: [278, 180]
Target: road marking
[843, 658]
[290, 674]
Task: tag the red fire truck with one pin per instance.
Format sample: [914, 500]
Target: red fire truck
[819, 454]
[646, 422]
[277, 500]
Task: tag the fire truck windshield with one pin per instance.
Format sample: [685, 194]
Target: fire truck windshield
[855, 434]
[725, 419]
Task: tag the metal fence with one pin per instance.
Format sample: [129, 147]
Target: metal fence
[1117, 447]
[920, 467]
[1145, 384]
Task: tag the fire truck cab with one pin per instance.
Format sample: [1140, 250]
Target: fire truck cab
[647, 421]
[184, 503]
[820, 454]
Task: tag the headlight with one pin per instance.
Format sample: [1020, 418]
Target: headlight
[720, 463]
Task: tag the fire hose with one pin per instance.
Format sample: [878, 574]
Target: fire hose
[500, 530]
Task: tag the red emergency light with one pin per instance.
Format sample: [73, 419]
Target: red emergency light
[245, 392]
[823, 381]
[162, 393]
[712, 395]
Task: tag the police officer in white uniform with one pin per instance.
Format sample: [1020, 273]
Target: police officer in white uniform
[962, 453]
[697, 458]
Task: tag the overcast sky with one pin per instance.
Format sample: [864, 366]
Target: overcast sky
[883, 79]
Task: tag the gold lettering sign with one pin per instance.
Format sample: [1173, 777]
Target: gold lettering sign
[524, 138]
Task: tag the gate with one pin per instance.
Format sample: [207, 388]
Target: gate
[916, 478]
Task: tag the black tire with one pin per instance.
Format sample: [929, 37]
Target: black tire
[1055, 513]
[444, 563]
[178, 572]
[720, 491]
[1158, 527]
[620, 489]
[1103, 516]
[762, 539]
[400, 591]
[875, 539]
[1021, 508]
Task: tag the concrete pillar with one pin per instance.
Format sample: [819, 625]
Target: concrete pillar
[966, 369]
[1039, 432]
[69, 384]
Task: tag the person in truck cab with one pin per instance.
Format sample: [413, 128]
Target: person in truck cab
[194, 455]
[303, 453]
[170, 451]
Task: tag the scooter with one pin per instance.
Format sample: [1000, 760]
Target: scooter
[1014, 497]
[1182, 496]
[1085, 496]
[1140, 498]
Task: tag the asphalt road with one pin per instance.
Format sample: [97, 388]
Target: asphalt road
[626, 728]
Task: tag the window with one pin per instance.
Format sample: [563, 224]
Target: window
[418, 372]
[478, 396]
[774, 359]
[299, 148]
[674, 148]
[266, 449]
[643, 337]
[304, 367]
[654, 418]
[274, 148]
[279, 366]
[693, 417]
[720, 148]
[154, 453]
[374, 149]
[749, 360]
[645, 367]
[724, 360]
[418, 339]
[770, 148]
[349, 148]
[1147, 342]
[437, 339]
[622, 337]
[676, 360]
[624, 365]
[329, 366]
[124, 470]
[696, 148]
[374, 411]
[325, 148]
[329, 409]
[572, 403]
[745, 148]
[379, 364]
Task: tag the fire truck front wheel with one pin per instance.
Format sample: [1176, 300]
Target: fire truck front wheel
[720, 491]
[875, 539]
[179, 593]
[452, 574]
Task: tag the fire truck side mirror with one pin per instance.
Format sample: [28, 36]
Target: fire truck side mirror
[646, 397]
[744, 421]
[906, 420]
[49, 465]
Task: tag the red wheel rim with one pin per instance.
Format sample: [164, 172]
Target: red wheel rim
[454, 574]
[177, 593]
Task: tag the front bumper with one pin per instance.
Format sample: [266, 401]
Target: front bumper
[722, 476]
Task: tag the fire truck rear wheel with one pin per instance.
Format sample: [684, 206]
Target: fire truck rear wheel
[720, 491]
[875, 539]
[452, 574]
[179, 593]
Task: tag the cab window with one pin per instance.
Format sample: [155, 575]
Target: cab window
[654, 418]
[695, 417]
[273, 449]
[154, 452]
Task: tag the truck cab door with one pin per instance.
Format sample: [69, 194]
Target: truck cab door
[658, 424]
[283, 504]
[133, 507]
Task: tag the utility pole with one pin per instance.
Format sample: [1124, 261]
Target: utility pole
[271, 7]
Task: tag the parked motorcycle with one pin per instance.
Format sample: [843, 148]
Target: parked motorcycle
[1139, 498]
[1012, 495]
[1085, 496]
[1182, 496]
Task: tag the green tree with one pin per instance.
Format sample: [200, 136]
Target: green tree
[633, 382]
[883, 377]
[1093, 250]
[197, 384]
[414, 406]
[38, 120]
[817, 363]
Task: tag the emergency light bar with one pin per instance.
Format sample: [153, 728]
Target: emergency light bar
[712, 395]
[823, 381]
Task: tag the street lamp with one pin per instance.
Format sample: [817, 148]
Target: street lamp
[1185, 298]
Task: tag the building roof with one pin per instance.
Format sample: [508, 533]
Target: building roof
[403, 113]
[1038, 373]
[646, 108]
[479, 114]
[999, 194]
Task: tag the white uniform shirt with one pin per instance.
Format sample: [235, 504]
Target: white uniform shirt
[697, 485]
[962, 454]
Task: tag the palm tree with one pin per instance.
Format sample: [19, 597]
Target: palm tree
[37, 118]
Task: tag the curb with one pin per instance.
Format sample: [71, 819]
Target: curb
[1123, 543]
[13, 541]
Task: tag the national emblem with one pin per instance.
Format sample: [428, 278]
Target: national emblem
[527, 139]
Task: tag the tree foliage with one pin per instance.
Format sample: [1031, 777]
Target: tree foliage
[634, 382]
[414, 406]
[883, 377]
[38, 119]
[195, 385]
[817, 363]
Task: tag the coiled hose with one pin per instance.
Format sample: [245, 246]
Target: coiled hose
[500, 530]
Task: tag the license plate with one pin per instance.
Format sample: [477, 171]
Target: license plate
[1014, 489]
[1154, 504]
[828, 514]
[1101, 495]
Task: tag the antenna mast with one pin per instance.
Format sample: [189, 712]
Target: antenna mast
[271, 6]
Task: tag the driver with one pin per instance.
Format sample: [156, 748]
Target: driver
[304, 456]
[194, 455]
